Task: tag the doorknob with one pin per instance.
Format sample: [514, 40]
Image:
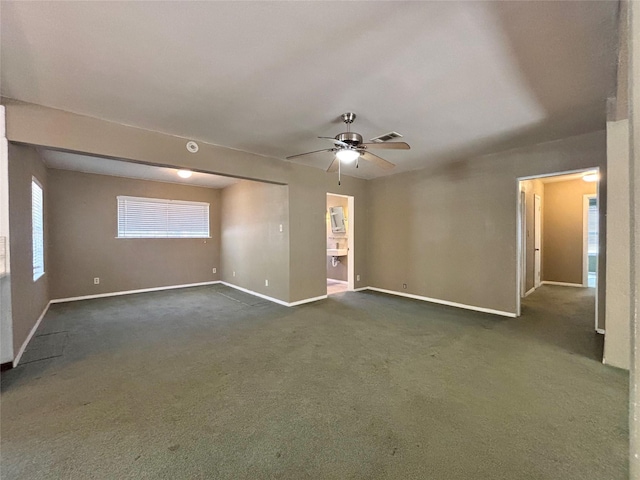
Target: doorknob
[537, 249]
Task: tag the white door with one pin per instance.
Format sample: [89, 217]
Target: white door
[537, 235]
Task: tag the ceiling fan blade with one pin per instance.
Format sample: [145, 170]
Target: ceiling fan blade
[376, 160]
[309, 153]
[337, 142]
[334, 165]
[387, 146]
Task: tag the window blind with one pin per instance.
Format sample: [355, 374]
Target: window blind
[160, 218]
[37, 229]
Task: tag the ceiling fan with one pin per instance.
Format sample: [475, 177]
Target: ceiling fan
[348, 148]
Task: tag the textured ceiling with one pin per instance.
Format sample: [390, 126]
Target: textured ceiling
[269, 77]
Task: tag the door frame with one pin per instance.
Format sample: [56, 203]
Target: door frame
[585, 246]
[520, 264]
[523, 242]
[350, 239]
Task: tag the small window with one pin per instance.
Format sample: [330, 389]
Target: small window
[158, 218]
[37, 229]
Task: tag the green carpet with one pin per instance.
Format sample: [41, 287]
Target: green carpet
[208, 383]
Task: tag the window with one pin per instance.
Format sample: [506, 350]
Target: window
[158, 218]
[37, 229]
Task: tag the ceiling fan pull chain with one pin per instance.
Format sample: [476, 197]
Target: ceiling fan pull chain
[339, 165]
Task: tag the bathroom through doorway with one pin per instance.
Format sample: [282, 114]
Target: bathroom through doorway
[340, 235]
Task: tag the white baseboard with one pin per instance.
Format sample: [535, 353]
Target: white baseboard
[445, 302]
[130, 292]
[533, 289]
[360, 289]
[601, 331]
[306, 300]
[272, 299]
[30, 336]
[562, 284]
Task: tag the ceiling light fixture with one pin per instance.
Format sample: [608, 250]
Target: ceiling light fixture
[347, 155]
[591, 177]
[184, 173]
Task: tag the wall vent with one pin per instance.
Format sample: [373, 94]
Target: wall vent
[386, 137]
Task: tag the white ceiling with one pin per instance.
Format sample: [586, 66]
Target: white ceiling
[120, 168]
[269, 77]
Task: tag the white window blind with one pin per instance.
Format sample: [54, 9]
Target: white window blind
[159, 218]
[37, 229]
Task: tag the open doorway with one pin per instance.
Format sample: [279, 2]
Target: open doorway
[340, 236]
[558, 234]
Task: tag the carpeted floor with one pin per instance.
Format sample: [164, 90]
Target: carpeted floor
[212, 383]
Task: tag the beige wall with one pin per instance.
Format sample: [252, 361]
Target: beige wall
[450, 233]
[563, 230]
[531, 188]
[634, 220]
[83, 243]
[617, 345]
[252, 244]
[341, 270]
[28, 298]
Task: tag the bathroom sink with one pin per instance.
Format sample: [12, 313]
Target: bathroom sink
[336, 252]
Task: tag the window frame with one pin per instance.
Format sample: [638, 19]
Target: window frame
[163, 201]
[37, 275]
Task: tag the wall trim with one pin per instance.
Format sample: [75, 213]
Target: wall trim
[307, 300]
[601, 331]
[563, 284]
[360, 289]
[533, 289]
[30, 336]
[445, 302]
[273, 299]
[131, 292]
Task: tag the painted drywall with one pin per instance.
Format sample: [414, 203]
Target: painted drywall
[634, 220]
[6, 327]
[617, 340]
[28, 298]
[83, 241]
[337, 240]
[563, 234]
[47, 127]
[531, 188]
[450, 232]
[255, 237]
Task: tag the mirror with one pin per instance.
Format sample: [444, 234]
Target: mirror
[336, 214]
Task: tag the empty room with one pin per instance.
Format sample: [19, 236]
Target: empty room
[324, 240]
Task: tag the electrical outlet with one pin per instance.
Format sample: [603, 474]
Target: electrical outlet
[404, 285]
[214, 270]
[234, 274]
[357, 278]
[266, 283]
[96, 280]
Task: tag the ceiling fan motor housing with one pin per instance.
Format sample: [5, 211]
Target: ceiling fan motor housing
[352, 138]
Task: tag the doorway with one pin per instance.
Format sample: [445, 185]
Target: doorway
[340, 243]
[558, 231]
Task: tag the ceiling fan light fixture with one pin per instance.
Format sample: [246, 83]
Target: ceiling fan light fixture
[347, 155]
[184, 173]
